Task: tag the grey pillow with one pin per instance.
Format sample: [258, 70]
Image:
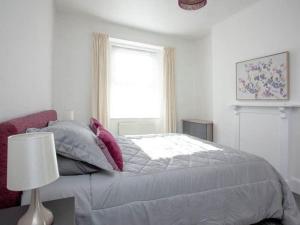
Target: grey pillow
[67, 123]
[77, 142]
[68, 166]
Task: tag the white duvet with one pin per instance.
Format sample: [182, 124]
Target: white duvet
[178, 180]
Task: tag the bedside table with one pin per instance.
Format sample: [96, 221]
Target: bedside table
[62, 209]
[198, 128]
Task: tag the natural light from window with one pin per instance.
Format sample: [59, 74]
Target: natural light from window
[159, 147]
[135, 83]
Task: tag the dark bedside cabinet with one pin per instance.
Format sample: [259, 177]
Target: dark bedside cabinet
[62, 209]
[198, 128]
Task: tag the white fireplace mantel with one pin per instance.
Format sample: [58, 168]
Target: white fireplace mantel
[281, 107]
[281, 111]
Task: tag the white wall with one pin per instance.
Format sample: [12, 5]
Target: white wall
[204, 83]
[267, 27]
[72, 64]
[25, 56]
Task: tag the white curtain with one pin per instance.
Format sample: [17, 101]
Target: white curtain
[169, 90]
[100, 77]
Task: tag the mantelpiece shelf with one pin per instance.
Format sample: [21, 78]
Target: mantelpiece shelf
[282, 108]
[279, 105]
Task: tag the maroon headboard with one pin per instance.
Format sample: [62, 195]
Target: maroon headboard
[11, 127]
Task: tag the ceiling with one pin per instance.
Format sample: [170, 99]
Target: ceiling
[161, 16]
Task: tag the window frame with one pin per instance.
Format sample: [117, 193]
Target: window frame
[140, 47]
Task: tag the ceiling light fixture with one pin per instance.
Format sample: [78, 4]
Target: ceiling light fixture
[191, 4]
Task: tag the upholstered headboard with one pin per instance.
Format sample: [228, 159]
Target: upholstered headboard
[11, 127]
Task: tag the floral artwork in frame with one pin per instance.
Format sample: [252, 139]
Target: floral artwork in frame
[265, 78]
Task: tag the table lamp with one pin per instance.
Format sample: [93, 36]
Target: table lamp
[31, 164]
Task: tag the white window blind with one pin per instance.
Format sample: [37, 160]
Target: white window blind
[135, 83]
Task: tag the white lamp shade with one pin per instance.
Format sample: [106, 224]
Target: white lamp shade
[31, 161]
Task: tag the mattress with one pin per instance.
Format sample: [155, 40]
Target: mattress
[176, 179]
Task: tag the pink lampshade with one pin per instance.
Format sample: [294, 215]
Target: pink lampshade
[191, 4]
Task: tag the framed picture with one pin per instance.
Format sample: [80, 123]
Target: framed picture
[265, 78]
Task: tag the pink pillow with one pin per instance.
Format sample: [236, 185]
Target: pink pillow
[95, 124]
[109, 140]
[112, 147]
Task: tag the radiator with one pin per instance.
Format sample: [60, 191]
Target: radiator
[132, 128]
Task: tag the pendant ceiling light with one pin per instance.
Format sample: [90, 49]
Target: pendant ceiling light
[191, 4]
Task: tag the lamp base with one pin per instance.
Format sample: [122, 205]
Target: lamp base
[36, 214]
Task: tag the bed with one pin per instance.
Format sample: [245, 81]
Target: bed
[177, 179]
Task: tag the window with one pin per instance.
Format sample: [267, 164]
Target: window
[135, 81]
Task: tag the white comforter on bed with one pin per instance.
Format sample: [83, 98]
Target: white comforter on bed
[175, 179]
